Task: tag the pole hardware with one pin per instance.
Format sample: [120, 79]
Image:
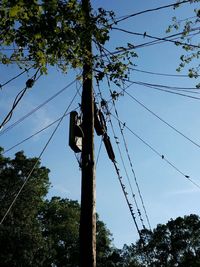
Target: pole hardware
[109, 149]
[99, 121]
[75, 132]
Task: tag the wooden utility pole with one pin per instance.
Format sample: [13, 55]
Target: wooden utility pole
[88, 187]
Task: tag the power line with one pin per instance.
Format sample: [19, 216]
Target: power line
[33, 135]
[158, 153]
[127, 175]
[37, 161]
[36, 133]
[15, 77]
[165, 86]
[165, 90]
[120, 153]
[29, 84]
[118, 171]
[37, 108]
[157, 38]
[158, 73]
[151, 10]
[160, 86]
[131, 165]
[155, 42]
[165, 122]
[147, 43]
[126, 197]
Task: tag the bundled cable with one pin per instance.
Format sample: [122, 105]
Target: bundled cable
[29, 84]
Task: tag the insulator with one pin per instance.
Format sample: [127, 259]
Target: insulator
[75, 132]
[109, 149]
[99, 121]
[29, 83]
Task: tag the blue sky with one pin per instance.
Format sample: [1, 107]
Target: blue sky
[166, 193]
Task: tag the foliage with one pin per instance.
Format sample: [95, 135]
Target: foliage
[21, 240]
[60, 220]
[39, 232]
[176, 243]
[42, 33]
[189, 29]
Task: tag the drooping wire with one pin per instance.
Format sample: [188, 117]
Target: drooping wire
[127, 200]
[130, 162]
[158, 117]
[29, 84]
[13, 78]
[151, 10]
[159, 73]
[37, 161]
[37, 108]
[107, 111]
[103, 50]
[164, 86]
[173, 37]
[164, 90]
[157, 153]
[99, 151]
[33, 135]
[157, 38]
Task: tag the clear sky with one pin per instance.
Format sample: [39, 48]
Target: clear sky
[166, 193]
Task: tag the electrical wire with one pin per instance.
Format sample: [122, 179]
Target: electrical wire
[158, 38]
[131, 165]
[15, 77]
[162, 120]
[33, 135]
[38, 159]
[164, 86]
[99, 151]
[37, 108]
[173, 38]
[29, 84]
[126, 197]
[158, 153]
[107, 111]
[128, 178]
[127, 175]
[103, 49]
[156, 42]
[159, 73]
[151, 10]
[165, 90]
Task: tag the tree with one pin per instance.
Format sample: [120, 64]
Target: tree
[39, 232]
[189, 31]
[43, 33]
[21, 239]
[60, 220]
[176, 243]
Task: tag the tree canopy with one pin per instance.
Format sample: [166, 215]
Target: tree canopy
[187, 31]
[53, 33]
[43, 33]
[39, 231]
[45, 232]
[176, 243]
[21, 240]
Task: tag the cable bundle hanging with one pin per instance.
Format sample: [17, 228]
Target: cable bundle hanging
[37, 108]
[111, 155]
[29, 84]
[133, 172]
